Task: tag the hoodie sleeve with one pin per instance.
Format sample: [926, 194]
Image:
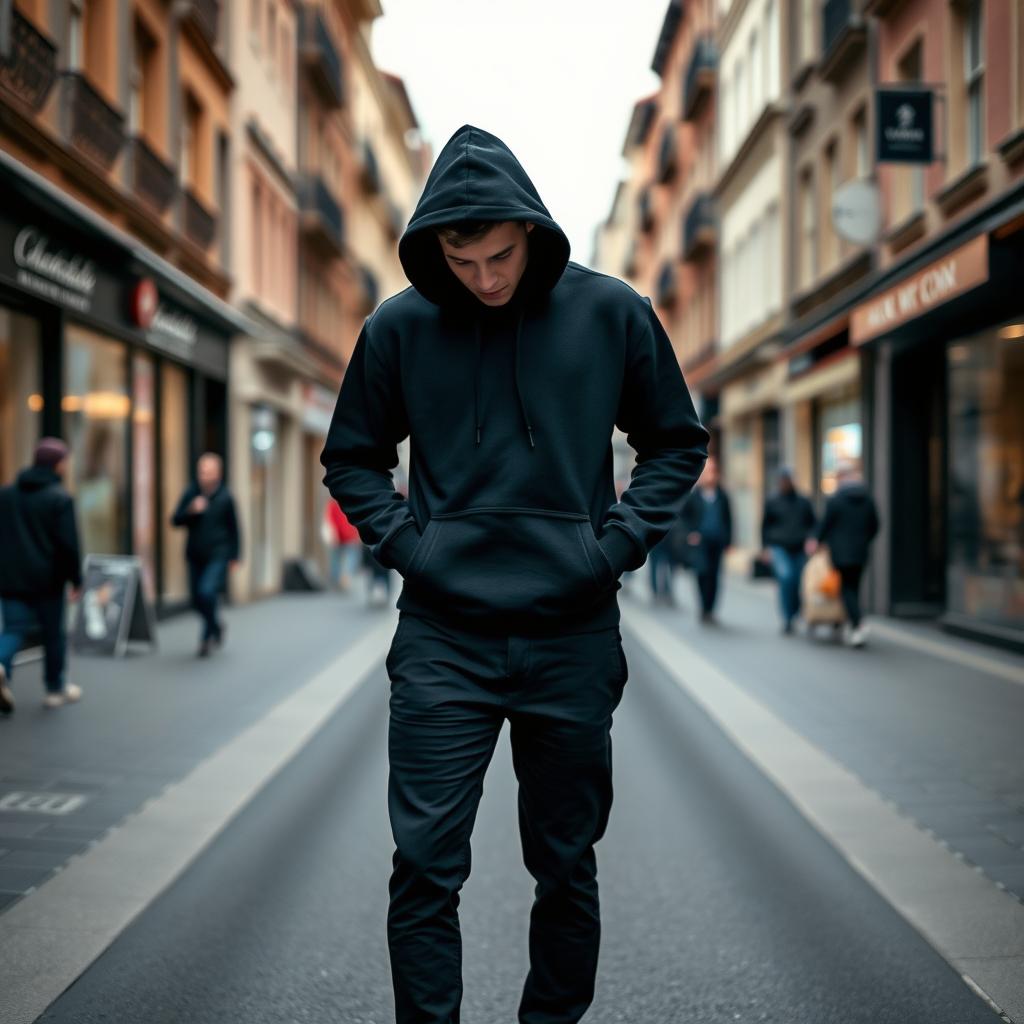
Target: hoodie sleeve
[362, 448]
[661, 425]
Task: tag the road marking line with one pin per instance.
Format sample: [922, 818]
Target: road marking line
[52, 935]
[930, 645]
[975, 926]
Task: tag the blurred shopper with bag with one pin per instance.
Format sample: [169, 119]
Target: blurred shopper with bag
[707, 519]
[39, 556]
[786, 526]
[848, 527]
[344, 548]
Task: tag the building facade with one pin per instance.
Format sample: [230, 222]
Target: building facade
[114, 256]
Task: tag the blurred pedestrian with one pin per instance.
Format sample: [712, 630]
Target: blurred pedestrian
[207, 511]
[507, 366]
[707, 519]
[39, 556]
[786, 526]
[848, 527]
[344, 548]
[661, 566]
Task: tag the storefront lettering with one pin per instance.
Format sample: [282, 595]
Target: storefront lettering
[952, 276]
[178, 326]
[74, 272]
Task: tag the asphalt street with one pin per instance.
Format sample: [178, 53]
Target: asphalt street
[720, 903]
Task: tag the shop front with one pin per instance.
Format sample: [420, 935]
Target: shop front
[945, 345]
[119, 354]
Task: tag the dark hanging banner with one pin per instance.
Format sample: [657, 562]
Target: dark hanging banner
[905, 126]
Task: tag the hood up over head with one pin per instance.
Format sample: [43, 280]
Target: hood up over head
[477, 177]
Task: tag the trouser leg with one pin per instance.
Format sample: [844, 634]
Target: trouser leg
[445, 720]
[50, 612]
[18, 620]
[561, 748]
[849, 576]
[207, 584]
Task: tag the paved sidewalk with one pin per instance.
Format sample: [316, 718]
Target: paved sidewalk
[925, 725]
[68, 777]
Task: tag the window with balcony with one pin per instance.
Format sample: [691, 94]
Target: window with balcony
[974, 77]
[807, 235]
[76, 35]
[191, 127]
[831, 179]
[142, 110]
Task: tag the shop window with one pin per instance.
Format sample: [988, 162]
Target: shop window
[175, 475]
[21, 399]
[985, 574]
[144, 468]
[839, 439]
[96, 407]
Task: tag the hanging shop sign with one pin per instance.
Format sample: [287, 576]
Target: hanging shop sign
[905, 126]
[945, 279]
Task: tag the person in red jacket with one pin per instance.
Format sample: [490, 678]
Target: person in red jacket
[343, 545]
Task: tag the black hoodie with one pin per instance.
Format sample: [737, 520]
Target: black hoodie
[39, 550]
[511, 523]
[849, 525]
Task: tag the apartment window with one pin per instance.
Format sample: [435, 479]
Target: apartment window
[286, 57]
[140, 112]
[272, 36]
[255, 22]
[76, 35]
[190, 140]
[831, 179]
[910, 181]
[756, 76]
[771, 50]
[806, 31]
[773, 259]
[741, 101]
[808, 228]
[974, 74]
[256, 217]
[859, 144]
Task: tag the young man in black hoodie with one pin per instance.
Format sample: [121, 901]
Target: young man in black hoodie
[39, 557]
[507, 366]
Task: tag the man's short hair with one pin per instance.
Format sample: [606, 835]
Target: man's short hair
[464, 232]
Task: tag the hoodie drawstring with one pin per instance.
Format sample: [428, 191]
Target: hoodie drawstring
[519, 390]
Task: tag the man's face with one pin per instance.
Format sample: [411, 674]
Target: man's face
[492, 266]
[208, 473]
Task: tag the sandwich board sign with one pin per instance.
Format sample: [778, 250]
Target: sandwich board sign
[112, 609]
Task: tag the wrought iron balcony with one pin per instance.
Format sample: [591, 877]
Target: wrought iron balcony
[699, 228]
[320, 55]
[153, 179]
[30, 71]
[322, 219]
[844, 37]
[668, 155]
[200, 223]
[205, 14]
[667, 291]
[699, 84]
[94, 127]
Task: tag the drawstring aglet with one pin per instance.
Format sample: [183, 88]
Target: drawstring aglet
[478, 435]
[529, 433]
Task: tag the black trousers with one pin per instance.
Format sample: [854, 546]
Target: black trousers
[708, 570]
[451, 690]
[849, 591]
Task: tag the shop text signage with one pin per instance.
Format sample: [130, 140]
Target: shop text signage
[905, 126]
[58, 274]
[165, 327]
[954, 274]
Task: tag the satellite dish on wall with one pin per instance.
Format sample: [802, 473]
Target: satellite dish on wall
[857, 211]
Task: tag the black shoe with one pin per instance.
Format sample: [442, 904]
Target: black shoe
[204, 649]
[787, 628]
[6, 697]
[222, 633]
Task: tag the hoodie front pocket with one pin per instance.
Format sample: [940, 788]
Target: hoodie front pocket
[510, 560]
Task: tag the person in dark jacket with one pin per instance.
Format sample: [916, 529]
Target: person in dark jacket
[707, 519]
[508, 366]
[848, 527]
[39, 557]
[207, 511]
[786, 526]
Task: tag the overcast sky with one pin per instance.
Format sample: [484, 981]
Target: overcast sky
[555, 79]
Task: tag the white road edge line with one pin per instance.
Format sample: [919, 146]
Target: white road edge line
[52, 936]
[975, 926]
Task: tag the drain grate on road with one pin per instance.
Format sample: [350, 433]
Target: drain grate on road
[29, 802]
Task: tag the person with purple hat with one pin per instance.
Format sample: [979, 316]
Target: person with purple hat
[39, 556]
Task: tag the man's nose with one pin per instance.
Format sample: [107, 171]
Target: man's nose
[487, 279]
